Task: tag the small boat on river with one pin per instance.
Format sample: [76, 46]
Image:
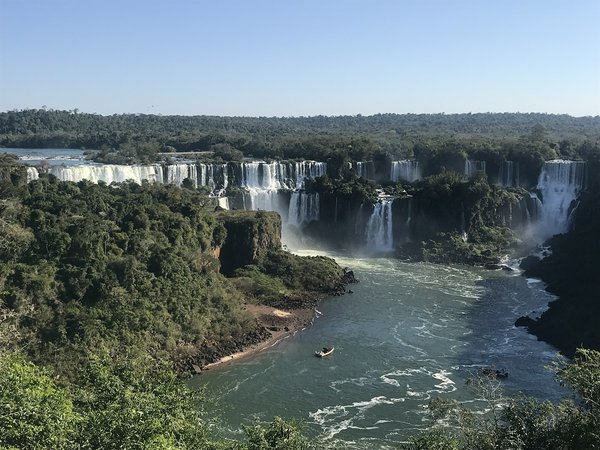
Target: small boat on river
[325, 352]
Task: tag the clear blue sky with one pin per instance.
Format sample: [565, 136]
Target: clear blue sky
[301, 57]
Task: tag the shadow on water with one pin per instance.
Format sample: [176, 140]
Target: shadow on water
[493, 341]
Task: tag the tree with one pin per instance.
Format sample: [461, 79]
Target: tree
[34, 412]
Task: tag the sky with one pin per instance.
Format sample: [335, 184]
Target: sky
[301, 57]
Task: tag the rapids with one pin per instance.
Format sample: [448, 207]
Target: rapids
[409, 332]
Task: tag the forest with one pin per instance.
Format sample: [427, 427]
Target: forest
[128, 138]
[109, 294]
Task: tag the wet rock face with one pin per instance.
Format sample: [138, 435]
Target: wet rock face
[571, 271]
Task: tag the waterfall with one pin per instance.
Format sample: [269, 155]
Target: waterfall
[364, 169]
[406, 170]
[176, 173]
[108, 173]
[379, 227]
[267, 200]
[263, 182]
[308, 169]
[304, 208]
[559, 183]
[32, 174]
[508, 174]
[472, 166]
[223, 202]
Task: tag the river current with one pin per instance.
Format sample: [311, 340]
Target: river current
[410, 332]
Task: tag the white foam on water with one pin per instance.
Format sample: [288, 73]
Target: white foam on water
[362, 381]
[446, 385]
[334, 419]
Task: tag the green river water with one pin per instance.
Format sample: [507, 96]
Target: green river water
[409, 332]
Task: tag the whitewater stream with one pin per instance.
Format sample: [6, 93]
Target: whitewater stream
[410, 332]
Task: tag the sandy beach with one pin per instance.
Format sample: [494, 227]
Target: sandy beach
[280, 324]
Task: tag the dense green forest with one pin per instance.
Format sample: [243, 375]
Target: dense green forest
[109, 293]
[138, 137]
[105, 292]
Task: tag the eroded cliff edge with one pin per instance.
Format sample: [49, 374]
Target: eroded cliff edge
[572, 272]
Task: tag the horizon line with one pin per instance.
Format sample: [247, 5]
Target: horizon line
[440, 113]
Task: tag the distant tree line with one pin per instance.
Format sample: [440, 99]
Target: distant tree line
[140, 137]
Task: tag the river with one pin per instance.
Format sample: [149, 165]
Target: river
[409, 332]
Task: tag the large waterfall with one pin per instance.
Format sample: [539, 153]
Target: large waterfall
[304, 208]
[559, 183]
[406, 170]
[379, 227]
[261, 181]
[108, 173]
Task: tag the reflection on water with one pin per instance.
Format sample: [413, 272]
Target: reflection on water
[409, 333]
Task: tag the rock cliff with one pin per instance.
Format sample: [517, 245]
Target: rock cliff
[250, 235]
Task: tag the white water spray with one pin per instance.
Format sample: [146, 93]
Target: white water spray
[559, 183]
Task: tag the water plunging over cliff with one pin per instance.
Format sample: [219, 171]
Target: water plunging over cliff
[379, 227]
[32, 174]
[304, 208]
[405, 170]
[508, 174]
[260, 180]
[364, 169]
[559, 183]
[264, 180]
[472, 166]
[108, 173]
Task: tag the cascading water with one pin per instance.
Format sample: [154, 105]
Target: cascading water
[406, 170]
[108, 173]
[472, 166]
[508, 174]
[364, 169]
[304, 208]
[559, 183]
[262, 182]
[176, 173]
[32, 174]
[379, 227]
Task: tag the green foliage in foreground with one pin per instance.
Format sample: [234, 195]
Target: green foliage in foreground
[117, 403]
[522, 423]
[132, 403]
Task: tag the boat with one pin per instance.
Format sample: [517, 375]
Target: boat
[325, 352]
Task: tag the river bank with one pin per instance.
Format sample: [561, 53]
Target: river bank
[279, 323]
[410, 332]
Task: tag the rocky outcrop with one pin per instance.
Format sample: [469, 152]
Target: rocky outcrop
[250, 235]
[571, 271]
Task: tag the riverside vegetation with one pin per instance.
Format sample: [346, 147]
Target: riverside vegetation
[90, 364]
[104, 291]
